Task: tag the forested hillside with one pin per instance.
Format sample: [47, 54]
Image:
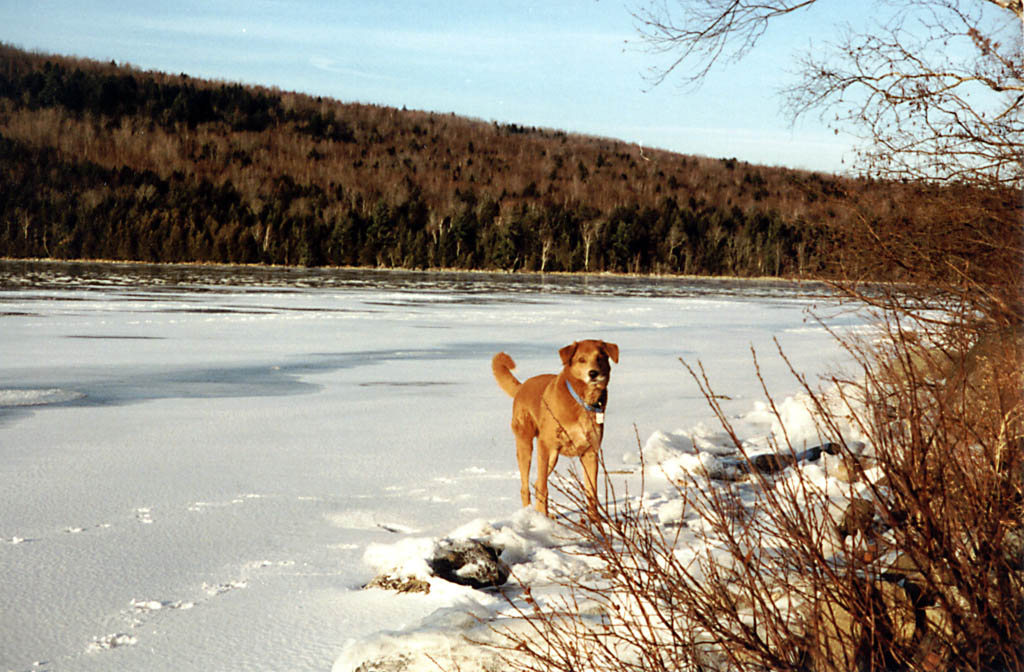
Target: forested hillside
[106, 161]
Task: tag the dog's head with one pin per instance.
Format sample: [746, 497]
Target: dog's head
[587, 361]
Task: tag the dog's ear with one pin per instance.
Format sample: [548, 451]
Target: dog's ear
[566, 353]
[612, 351]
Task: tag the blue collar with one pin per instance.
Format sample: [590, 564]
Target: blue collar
[592, 409]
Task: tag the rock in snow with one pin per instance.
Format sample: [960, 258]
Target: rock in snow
[467, 562]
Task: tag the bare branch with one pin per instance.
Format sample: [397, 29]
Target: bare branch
[933, 88]
[706, 31]
[923, 113]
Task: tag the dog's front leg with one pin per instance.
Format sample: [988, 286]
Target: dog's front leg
[589, 460]
[547, 457]
[524, 455]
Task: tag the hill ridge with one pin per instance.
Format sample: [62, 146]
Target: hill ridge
[107, 161]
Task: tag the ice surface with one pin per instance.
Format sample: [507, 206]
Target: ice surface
[20, 397]
[202, 466]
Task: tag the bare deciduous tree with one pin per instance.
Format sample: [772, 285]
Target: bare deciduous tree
[933, 88]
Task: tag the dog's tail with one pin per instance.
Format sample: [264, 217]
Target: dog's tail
[502, 366]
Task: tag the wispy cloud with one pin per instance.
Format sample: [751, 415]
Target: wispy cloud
[338, 68]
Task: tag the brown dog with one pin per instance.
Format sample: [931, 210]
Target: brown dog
[564, 412]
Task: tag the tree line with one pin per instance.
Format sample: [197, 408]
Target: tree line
[105, 161]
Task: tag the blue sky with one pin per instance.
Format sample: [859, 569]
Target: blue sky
[574, 65]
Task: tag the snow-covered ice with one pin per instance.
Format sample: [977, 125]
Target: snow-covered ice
[202, 466]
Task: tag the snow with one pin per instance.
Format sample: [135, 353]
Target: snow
[203, 466]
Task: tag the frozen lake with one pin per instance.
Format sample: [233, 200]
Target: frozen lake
[195, 459]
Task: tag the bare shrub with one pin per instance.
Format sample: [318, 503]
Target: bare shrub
[916, 563]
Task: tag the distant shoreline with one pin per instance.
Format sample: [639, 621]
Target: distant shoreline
[754, 280]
